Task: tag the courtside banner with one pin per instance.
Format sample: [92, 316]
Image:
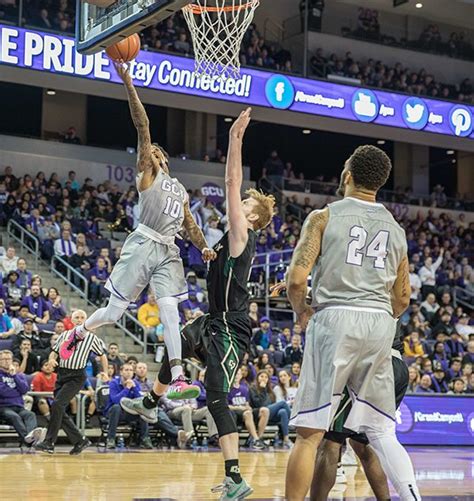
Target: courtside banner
[436, 420]
[56, 54]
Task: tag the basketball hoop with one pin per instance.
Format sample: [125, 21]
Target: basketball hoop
[217, 28]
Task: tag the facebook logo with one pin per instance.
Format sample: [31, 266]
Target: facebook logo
[280, 92]
[365, 105]
[460, 120]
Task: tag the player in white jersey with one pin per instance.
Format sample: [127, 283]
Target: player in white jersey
[150, 255]
[356, 254]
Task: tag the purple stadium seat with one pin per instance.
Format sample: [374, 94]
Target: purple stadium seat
[29, 378]
[6, 344]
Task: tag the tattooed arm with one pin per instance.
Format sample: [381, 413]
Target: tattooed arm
[401, 289]
[196, 235]
[140, 120]
[306, 253]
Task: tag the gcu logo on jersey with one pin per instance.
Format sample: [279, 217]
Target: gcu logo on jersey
[171, 188]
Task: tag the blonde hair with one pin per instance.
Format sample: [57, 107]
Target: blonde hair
[264, 210]
[79, 312]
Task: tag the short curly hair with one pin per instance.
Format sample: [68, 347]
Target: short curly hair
[370, 167]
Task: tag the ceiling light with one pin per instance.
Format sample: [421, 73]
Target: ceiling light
[381, 141]
[419, 5]
[227, 119]
[450, 152]
[306, 131]
[51, 92]
[453, 161]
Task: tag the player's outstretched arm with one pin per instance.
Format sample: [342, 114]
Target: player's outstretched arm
[196, 235]
[140, 119]
[238, 227]
[401, 289]
[306, 253]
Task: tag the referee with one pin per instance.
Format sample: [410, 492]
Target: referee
[71, 378]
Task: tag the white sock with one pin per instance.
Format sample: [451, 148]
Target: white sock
[176, 371]
[109, 315]
[396, 463]
[169, 316]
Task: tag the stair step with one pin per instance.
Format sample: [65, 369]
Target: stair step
[71, 300]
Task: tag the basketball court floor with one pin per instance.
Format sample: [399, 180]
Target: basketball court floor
[442, 473]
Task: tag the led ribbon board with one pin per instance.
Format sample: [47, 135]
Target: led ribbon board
[55, 53]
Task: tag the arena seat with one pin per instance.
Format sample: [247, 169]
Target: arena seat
[6, 344]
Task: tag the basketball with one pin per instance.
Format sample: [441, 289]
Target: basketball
[126, 50]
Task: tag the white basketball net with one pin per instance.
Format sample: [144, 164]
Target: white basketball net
[217, 28]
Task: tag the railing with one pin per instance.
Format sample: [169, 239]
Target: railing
[463, 297]
[71, 276]
[421, 199]
[27, 240]
[342, 20]
[273, 31]
[141, 338]
[62, 269]
[260, 290]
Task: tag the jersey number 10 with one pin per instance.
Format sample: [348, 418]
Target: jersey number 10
[173, 207]
[377, 248]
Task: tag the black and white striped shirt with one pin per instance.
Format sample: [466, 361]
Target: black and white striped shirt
[91, 343]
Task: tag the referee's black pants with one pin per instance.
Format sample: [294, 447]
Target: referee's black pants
[69, 382]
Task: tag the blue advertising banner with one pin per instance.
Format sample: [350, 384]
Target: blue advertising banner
[56, 54]
[436, 420]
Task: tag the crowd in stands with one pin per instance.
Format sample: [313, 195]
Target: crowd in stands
[398, 78]
[66, 218]
[431, 38]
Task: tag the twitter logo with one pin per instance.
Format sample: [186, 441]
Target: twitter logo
[415, 113]
[365, 105]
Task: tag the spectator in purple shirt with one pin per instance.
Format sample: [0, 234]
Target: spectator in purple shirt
[34, 221]
[469, 355]
[193, 304]
[37, 306]
[455, 370]
[124, 386]
[24, 276]
[454, 346]
[440, 356]
[12, 408]
[425, 385]
[201, 400]
[98, 276]
[56, 309]
[439, 380]
[238, 399]
[195, 261]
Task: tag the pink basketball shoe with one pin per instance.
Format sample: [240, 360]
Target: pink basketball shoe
[181, 389]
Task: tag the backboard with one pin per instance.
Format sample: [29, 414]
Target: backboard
[97, 28]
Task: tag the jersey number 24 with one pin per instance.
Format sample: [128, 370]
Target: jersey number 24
[376, 249]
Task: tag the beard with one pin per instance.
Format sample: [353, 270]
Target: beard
[341, 191]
